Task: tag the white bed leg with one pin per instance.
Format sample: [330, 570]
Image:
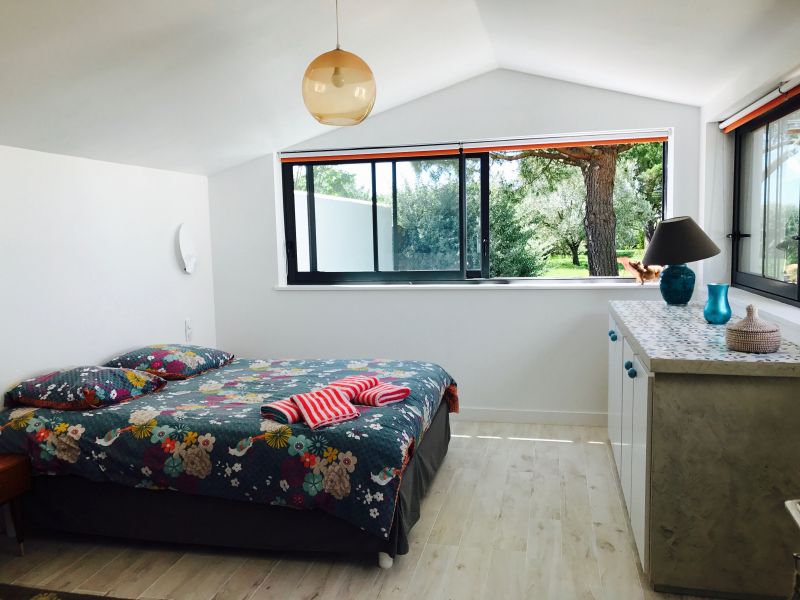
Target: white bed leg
[385, 561]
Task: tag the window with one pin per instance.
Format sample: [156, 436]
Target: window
[767, 204]
[500, 212]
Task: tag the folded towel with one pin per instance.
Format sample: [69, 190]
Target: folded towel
[382, 394]
[282, 411]
[355, 383]
[326, 406]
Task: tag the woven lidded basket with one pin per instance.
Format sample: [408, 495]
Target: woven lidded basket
[752, 334]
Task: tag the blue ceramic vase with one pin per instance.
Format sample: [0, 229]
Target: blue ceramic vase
[717, 310]
[677, 284]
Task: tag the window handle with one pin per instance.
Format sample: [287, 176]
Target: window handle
[737, 235]
[796, 238]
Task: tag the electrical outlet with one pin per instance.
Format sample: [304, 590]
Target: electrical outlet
[187, 326]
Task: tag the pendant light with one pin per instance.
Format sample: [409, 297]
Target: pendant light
[338, 86]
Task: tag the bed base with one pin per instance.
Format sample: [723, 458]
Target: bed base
[76, 505]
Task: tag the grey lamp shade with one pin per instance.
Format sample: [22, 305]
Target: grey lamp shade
[677, 241]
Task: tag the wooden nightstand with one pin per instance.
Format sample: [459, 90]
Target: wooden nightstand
[15, 480]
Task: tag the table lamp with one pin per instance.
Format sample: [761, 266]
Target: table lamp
[675, 242]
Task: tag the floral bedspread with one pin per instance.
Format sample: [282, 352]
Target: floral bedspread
[205, 435]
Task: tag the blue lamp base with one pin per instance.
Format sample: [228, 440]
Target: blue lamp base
[677, 284]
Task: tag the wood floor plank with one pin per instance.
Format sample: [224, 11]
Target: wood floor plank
[511, 527]
[579, 563]
[543, 558]
[72, 577]
[451, 522]
[355, 580]
[38, 552]
[547, 493]
[484, 510]
[506, 578]
[427, 581]
[56, 565]
[283, 580]
[194, 576]
[616, 556]
[393, 584]
[245, 580]
[131, 572]
[468, 574]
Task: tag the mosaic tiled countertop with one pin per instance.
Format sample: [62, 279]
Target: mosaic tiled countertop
[677, 339]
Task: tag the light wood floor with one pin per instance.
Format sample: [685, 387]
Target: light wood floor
[517, 511]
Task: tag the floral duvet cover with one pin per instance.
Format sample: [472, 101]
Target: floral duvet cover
[205, 435]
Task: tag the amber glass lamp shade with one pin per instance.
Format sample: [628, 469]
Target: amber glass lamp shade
[339, 88]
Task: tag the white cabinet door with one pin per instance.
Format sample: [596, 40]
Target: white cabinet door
[615, 375]
[627, 423]
[640, 443]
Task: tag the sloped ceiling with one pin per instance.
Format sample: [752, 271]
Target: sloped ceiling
[201, 85]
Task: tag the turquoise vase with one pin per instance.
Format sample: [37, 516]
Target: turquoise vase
[677, 284]
[717, 310]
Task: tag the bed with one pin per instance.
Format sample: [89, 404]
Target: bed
[196, 463]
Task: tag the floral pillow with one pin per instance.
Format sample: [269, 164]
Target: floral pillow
[83, 387]
[173, 361]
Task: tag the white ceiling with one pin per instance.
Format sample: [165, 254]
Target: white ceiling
[201, 85]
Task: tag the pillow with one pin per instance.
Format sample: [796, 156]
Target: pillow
[84, 387]
[172, 361]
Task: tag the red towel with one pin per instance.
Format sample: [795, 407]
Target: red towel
[326, 406]
[380, 395]
[282, 411]
[355, 383]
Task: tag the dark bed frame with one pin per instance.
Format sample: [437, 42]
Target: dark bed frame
[76, 505]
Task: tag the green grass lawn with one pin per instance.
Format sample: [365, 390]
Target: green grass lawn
[561, 267]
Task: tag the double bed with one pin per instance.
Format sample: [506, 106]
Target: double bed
[196, 463]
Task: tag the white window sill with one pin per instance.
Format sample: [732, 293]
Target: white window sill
[527, 285]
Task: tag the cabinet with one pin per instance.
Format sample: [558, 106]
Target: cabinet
[628, 423]
[615, 390]
[705, 445]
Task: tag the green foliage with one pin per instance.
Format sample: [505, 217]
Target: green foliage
[646, 163]
[633, 209]
[514, 250]
[427, 235]
[333, 180]
[558, 214]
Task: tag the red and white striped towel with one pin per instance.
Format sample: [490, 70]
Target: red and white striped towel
[382, 394]
[355, 383]
[326, 406]
[282, 411]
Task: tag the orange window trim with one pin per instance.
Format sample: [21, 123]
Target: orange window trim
[546, 145]
[408, 154]
[454, 151]
[763, 109]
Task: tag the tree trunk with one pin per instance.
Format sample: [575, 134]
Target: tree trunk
[649, 230]
[600, 222]
[573, 248]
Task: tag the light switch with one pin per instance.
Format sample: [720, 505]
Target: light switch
[188, 330]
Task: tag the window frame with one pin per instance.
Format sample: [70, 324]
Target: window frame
[787, 293]
[376, 276]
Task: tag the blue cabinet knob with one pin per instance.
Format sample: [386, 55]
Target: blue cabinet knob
[611, 332]
[613, 337]
[628, 365]
[631, 373]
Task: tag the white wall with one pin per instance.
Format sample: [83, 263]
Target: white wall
[517, 353]
[88, 261]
